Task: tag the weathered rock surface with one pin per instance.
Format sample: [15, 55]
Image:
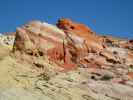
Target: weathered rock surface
[64, 62]
[76, 30]
[6, 40]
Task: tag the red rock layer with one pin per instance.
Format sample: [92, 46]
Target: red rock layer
[91, 40]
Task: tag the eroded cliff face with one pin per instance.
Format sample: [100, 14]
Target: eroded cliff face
[68, 61]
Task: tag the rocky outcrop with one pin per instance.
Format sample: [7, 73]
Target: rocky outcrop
[73, 29]
[68, 44]
[42, 39]
[7, 40]
[66, 62]
[127, 44]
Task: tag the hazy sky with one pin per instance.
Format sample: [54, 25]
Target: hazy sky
[103, 16]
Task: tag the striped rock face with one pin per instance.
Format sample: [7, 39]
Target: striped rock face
[65, 62]
[70, 44]
[64, 44]
[41, 34]
[42, 39]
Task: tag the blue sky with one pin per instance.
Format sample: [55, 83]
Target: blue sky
[114, 17]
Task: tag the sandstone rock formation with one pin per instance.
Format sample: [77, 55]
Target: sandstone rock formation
[74, 30]
[68, 61]
[7, 40]
[67, 45]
